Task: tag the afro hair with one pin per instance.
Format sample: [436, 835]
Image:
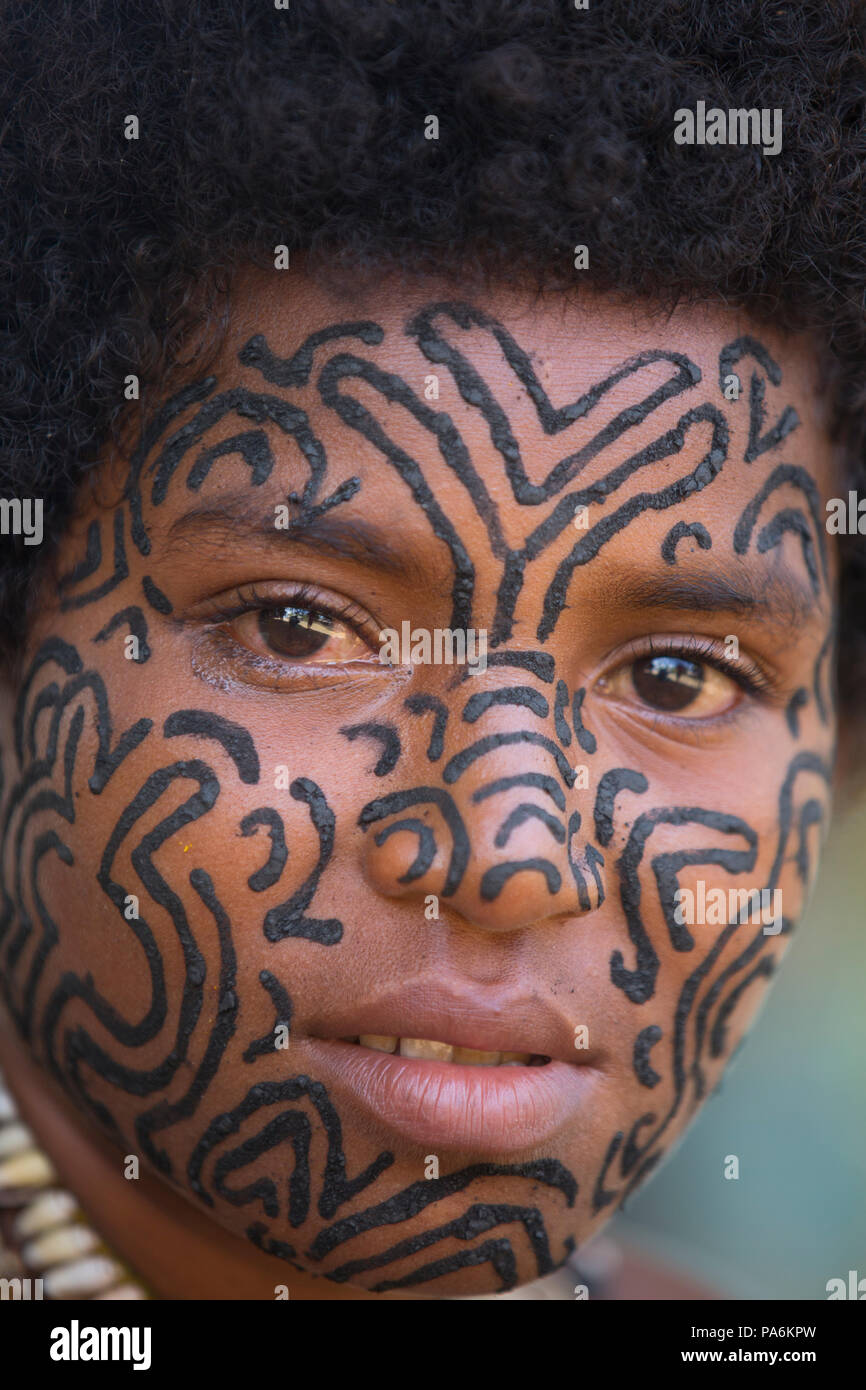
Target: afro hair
[304, 125]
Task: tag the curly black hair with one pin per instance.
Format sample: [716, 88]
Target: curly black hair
[304, 126]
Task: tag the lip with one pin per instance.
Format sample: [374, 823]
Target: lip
[484, 1019]
[438, 1105]
[453, 1105]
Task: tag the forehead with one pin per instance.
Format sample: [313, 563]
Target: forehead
[494, 422]
[498, 351]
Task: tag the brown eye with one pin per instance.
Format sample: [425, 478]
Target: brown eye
[295, 632]
[300, 633]
[667, 682]
[672, 683]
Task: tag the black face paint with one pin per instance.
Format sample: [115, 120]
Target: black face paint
[788, 420]
[155, 597]
[643, 1045]
[269, 873]
[786, 475]
[615, 780]
[581, 733]
[234, 739]
[91, 564]
[563, 733]
[135, 620]
[456, 766]
[515, 695]
[540, 780]
[429, 704]
[290, 919]
[541, 664]
[264, 1045]
[639, 984]
[681, 531]
[388, 737]
[637, 1161]
[385, 806]
[798, 700]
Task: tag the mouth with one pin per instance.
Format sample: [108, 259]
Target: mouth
[451, 1066]
[432, 1051]
[443, 1101]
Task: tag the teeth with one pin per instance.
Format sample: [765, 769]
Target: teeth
[421, 1047]
[379, 1042]
[478, 1059]
[431, 1051]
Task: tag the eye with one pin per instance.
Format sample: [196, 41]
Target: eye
[300, 632]
[302, 627]
[676, 682]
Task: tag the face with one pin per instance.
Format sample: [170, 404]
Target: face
[410, 969]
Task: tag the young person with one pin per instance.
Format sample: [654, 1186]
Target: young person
[420, 711]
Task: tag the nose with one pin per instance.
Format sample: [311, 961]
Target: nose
[498, 836]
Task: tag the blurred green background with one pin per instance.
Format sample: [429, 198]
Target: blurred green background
[792, 1106]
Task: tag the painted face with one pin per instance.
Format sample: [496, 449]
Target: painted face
[408, 967]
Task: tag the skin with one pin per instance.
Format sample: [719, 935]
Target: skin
[248, 800]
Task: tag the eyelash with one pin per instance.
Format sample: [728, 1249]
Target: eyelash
[749, 676]
[249, 600]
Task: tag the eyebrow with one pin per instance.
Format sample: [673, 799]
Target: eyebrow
[777, 598]
[239, 518]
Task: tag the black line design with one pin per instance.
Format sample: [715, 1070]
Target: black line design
[137, 624]
[799, 698]
[638, 1161]
[290, 919]
[264, 1045]
[789, 419]
[91, 563]
[614, 781]
[514, 695]
[269, 873]
[789, 519]
[546, 784]
[155, 597]
[613, 522]
[456, 766]
[426, 845]
[357, 417]
[235, 739]
[385, 806]
[643, 1045]
[639, 984]
[563, 733]
[387, 736]
[681, 531]
[529, 811]
[586, 739]
[827, 650]
[429, 704]
[494, 879]
[540, 664]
